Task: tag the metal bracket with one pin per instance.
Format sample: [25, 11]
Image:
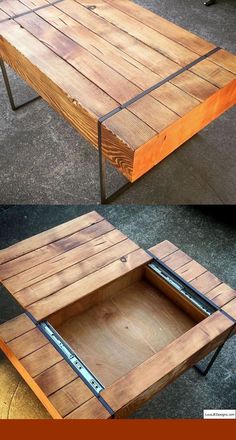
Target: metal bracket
[9, 91]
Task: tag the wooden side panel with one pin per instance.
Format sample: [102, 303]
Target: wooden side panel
[170, 139]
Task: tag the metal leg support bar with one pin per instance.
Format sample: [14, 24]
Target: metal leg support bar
[9, 92]
[204, 371]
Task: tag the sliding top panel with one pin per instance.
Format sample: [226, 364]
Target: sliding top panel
[56, 268]
[88, 58]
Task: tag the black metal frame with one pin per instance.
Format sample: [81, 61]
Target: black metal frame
[9, 91]
[215, 307]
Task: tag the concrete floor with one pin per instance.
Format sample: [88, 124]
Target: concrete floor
[43, 160]
[206, 234]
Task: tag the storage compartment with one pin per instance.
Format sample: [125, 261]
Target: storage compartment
[124, 324]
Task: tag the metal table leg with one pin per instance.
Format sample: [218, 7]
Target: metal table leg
[204, 371]
[9, 91]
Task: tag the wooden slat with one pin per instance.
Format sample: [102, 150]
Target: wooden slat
[54, 249]
[163, 249]
[41, 359]
[92, 409]
[49, 236]
[165, 27]
[64, 260]
[55, 377]
[74, 273]
[70, 94]
[70, 397]
[176, 260]
[15, 327]
[222, 294]
[27, 343]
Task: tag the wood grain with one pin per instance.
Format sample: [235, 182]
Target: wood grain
[116, 315]
[85, 62]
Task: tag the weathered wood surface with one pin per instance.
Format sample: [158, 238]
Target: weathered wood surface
[87, 57]
[56, 268]
[175, 343]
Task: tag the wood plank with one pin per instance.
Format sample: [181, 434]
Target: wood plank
[27, 343]
[206, 282]
[191, 270]
[65, 260]
[70, 397]
[56, 248]
[176, 260]
[163, 249]
[86, 286]
[55, 377]
[15, 327]
[92, 409]
[41, 359]
[74, 273]
[221, 294]
[48, 236]
[165, 27]
[140, 31]
[225, 59]
[143, 382]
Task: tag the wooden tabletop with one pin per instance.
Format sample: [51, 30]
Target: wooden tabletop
[56, 268]
[88, 57]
